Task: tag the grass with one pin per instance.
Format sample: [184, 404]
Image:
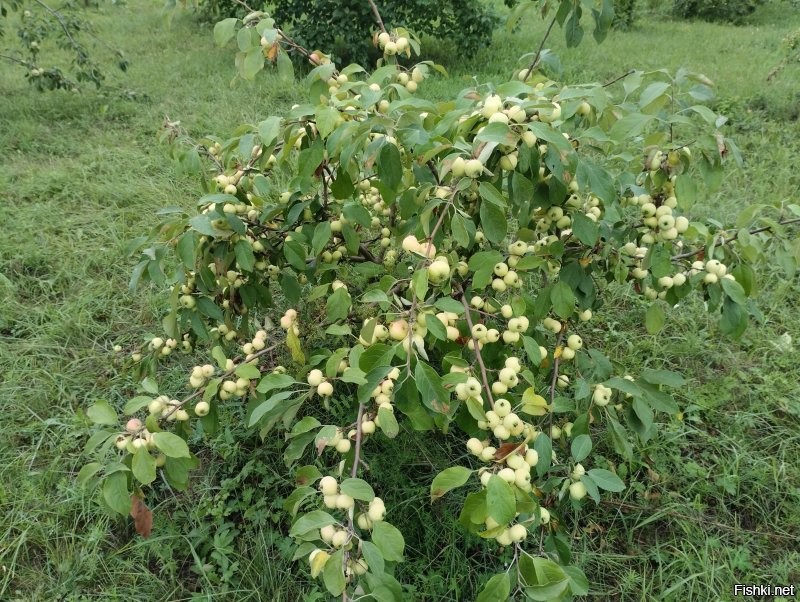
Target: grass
[83, 174]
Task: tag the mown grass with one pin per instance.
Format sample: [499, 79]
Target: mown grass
[81, 175]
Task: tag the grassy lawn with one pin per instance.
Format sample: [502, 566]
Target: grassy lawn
[82, 175]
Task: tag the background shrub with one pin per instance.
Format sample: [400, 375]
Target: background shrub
[732, 11]
[345, 28]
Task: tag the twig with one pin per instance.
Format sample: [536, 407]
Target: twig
[538, 54]
[357, 457]
[618, 78]
[77, 47]
[200, 391]
[377, 15]
[721, 241]
[477, 349]
[14, 60]
[554, 380]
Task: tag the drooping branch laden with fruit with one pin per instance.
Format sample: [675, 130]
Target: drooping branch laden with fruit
[437, 265]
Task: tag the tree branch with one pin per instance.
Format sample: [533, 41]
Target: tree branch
[721, 241]
[476, 345]
[538, 54]
[377, 15]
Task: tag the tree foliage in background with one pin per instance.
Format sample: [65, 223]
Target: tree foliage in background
[47, 37]
[344, 28]
[732, 11]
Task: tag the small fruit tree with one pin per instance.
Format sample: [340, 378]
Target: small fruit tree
[435, 266]
[42, 32]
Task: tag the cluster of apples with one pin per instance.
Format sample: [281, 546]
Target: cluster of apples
[393, 44]
[289, 321]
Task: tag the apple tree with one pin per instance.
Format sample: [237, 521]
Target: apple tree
[43, 35]
[419, 265]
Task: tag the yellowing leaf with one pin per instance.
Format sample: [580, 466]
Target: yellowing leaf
[533, 404]
[318, 563]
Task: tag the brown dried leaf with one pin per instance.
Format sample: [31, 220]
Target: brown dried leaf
[142, 516]
[506, 449]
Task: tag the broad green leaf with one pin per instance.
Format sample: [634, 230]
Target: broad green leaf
[357, 489]
[500, 500]
[449, 479]
[102, 413]
[87, 472]
[497, 589]
[494, 222]
[333, 575]
[373, 557]
[563, 300]
[663, 377]
[316, 519]
[433, 393]
[224, 31]
[389, 541]
[116, 494]
[605, 479]
[581, 446]
[654, 318]
[171, 444]
[143, 466]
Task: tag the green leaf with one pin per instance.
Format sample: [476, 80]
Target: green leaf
[275, 381]
[269, 130]
[224, 31]
[295, 254]
[115, 493]
[326, 118]
[247, 371]
[338, 305]
[654, 318]
[584, 229]
[435, 327]
[171, 444]
[419, 283]
[663, 377]
[388, 422]
[373, 557]
[185, 248]
[449, 479]
[285, 67]
[496, 589]
[605, 479]
[322, 234]
[244, 255]
[581, 446]
[734, 290]
[266, 406]
[433, 393]
[87, 472]
[733, 321]
[390, 166]
[563, 300]
[500, 500]
[389, 541]
[357, 489]
[143, 466]
[315, 519]
[102, 413]
[332, 574]
[252, 63]
[494, 222]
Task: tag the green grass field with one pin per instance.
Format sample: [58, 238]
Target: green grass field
[81, 175]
